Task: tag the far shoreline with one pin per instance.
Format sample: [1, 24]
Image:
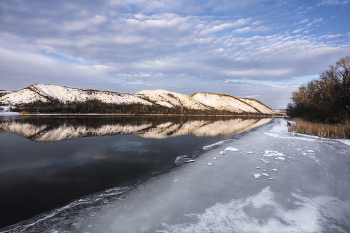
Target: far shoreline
[130, 114]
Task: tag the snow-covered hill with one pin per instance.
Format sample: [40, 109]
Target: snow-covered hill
[224, 102]
[199, 101]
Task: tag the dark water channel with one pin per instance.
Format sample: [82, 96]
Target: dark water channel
[49, 161]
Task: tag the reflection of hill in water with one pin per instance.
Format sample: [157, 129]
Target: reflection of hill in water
[58, 129]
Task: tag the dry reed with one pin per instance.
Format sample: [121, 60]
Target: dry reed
[339, 131]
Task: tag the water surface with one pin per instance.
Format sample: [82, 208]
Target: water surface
[47, 162]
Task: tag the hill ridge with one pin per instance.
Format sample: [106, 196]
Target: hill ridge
[197, 102]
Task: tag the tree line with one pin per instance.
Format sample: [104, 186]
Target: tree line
[97, 106]
[326, 99]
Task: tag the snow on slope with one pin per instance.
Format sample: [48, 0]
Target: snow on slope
[223, 102]
[258, 105]
[172, 99]
[65, 94]
[22, 96]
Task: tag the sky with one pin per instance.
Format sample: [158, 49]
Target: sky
[261, 49]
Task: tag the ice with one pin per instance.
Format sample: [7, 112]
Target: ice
[231, 149]
[280, 130]
[222, 152]
[310, 151]
[249, 152]
[305, 197]
[183, 159]
[345, 141]
[257, 176]
[265, 160]
[269, 153]
[6, 111]
[280, 158]
[214, 158]
[189, 161]
[214, 145]
[235, 217]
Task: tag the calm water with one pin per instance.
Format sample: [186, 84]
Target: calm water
[49, 161]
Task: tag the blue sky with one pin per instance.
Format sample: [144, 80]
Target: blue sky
[246, 48]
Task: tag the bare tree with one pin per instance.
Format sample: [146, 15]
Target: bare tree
[325, 99]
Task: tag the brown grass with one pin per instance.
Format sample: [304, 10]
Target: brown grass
[339, 131]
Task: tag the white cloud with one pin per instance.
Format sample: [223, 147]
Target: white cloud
[331, 36]
[297, 30]
[224, 26]
[257, 72]
[332, 2]
[317, 20]
[243, 30]
[308, 25]
[304, 21]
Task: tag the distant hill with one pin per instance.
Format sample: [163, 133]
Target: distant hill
[55, 98]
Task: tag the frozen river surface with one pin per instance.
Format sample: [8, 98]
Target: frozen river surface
[263, 180]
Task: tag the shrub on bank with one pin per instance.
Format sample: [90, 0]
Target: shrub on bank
[96, 106]
[335, 131]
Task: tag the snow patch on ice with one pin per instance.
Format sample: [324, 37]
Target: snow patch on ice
[231, 149]
[310, 215]
[183, 159]
[215, 144]
[345, 141]
[265, 160]
[9, 113]
[280, 130]
[6, 111]
[269, 153]
[257, 176]
[280, 158]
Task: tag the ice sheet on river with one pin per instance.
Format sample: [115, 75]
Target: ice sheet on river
[309, 193]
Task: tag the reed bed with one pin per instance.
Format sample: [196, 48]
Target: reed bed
[339, 131]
